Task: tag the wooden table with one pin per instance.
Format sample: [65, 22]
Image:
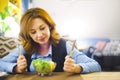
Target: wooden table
[66, 76]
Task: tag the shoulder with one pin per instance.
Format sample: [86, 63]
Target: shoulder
[62, 40]
[61, 44]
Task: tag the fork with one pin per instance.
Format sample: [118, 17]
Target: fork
[71, 51]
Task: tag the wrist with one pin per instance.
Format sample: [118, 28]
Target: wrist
[16, 70]
[78, 68]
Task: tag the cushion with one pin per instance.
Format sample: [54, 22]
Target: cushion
[100, 45]
[6, 45]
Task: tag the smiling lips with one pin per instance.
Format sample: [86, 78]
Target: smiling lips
[42, 40]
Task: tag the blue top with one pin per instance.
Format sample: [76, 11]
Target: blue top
[89, 65]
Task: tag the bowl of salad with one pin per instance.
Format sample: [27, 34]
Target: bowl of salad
[43, 67]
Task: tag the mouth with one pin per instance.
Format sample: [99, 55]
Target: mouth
[43, 39]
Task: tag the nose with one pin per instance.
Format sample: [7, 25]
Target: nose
[39, 34]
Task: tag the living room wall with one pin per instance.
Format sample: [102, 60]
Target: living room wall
[86, 18]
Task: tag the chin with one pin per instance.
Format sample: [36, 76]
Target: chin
[42, 43]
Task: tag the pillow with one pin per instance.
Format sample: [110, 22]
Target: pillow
[6, 45]
[100, 45]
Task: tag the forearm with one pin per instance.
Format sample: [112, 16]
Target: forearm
[7, 67]
[90, 67]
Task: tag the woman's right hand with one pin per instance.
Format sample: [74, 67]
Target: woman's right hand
[21, 64]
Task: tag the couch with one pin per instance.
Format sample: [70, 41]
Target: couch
[105, 51]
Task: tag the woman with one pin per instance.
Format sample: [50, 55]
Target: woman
[40, 40]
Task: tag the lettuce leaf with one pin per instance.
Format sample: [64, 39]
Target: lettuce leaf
[41, 66]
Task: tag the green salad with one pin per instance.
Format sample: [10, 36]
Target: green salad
[41, 66]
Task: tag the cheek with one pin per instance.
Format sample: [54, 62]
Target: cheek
[48, 32]
[32, 36]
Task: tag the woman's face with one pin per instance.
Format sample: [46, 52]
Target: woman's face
[39, 31]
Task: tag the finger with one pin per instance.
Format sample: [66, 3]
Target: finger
[19, 61]
[68, 65]
[22, 69]
[22, 64]
[67, 57]
[69, 60]
[21, 56]
[67, 69]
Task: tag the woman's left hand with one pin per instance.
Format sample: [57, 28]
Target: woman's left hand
[70, 66]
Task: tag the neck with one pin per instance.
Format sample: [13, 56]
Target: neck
[45, 46]
[43, 49]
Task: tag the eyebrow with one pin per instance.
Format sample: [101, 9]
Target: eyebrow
[34, 29]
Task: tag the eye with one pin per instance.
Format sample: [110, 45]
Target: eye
[42, 28]
[33, 32]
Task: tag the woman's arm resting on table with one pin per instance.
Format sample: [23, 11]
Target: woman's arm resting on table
[86, 64]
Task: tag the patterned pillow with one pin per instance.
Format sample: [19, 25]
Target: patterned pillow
[6, 45]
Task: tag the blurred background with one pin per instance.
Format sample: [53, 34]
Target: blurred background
[74, 18]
